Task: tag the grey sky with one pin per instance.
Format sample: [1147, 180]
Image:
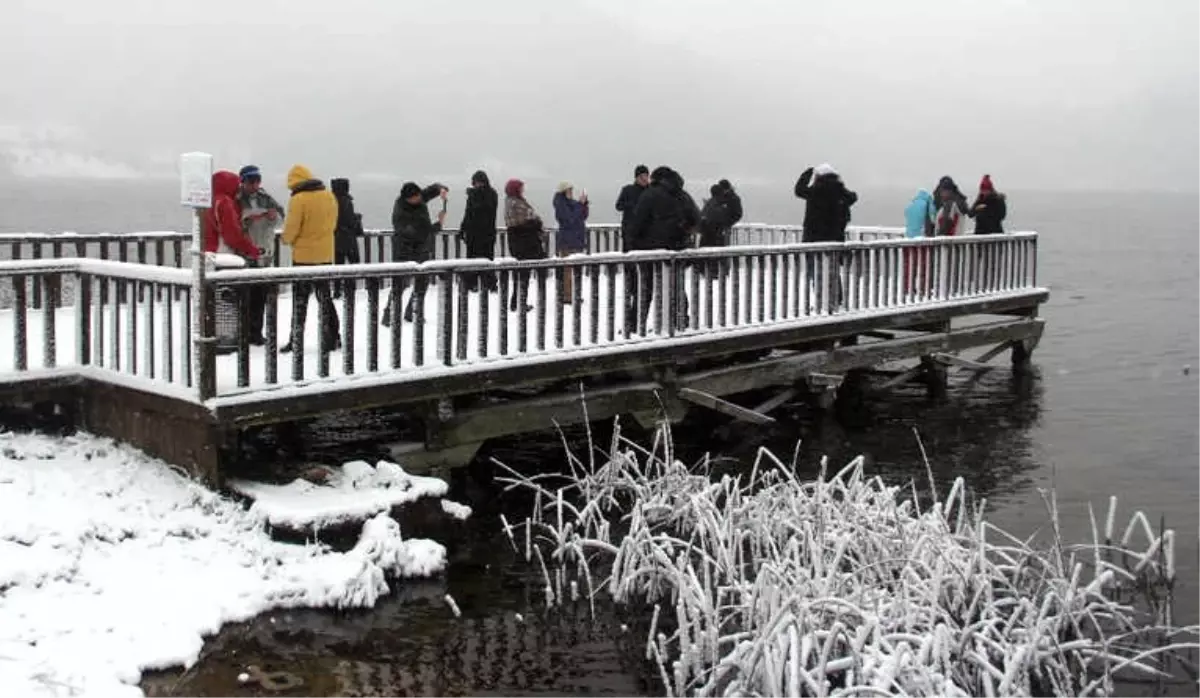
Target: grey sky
[1040, 93]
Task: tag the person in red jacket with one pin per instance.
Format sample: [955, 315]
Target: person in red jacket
[223, 222]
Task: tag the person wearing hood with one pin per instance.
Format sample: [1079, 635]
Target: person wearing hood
[413, 236]
[721, 212]
[665, 219]
[951, 207]
[222, 223]
[918, 215]
[827, 204]
[989, 208]
[628, 198]
[349, 230]
[918, 221]
[309, 230]
[222, 233]
[571, 236]
[526, 234]
[478, 227]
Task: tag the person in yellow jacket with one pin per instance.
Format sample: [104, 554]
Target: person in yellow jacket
[309, 230]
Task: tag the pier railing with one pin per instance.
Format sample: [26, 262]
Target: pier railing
[120, 318]
[172, 248]
[135, 321]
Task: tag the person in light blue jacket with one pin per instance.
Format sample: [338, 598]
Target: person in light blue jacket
[919, 214]
[918, 217]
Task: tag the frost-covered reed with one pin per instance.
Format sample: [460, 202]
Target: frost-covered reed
[770, 585]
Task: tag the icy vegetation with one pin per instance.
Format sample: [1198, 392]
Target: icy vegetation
[846, 586]
[112, 563]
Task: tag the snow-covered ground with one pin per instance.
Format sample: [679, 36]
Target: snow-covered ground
[112, 563]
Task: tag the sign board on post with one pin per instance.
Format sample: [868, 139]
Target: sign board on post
[195, 179]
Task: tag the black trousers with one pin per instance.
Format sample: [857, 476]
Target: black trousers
[255, 298]
[301, 291]
[405, 250]
[345, 251]
[640, 290]
[481, 247]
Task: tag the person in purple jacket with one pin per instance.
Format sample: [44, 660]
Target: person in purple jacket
[572, 235]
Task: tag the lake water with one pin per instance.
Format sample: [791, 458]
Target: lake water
[1112, 407]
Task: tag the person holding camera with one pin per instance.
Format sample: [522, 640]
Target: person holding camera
[413, 235]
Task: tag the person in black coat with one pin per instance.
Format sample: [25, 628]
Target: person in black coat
[665, 219]
[733, 202]
[722, 211]
[989, 209]
[827, 204]
[413, 235]
[628, 198]
[478, 228]
[826, 215]
[349, 230]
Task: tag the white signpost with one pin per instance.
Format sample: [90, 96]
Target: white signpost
[195, 191]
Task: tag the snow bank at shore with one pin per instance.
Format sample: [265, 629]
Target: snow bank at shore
[351, 493]
[112, 563]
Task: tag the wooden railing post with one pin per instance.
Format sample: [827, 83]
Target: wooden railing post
[83, 319]
[204, 316]
[196, 193]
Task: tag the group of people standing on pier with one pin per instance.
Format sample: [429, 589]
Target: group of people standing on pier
[657, 213]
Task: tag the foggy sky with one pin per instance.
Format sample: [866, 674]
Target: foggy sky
[1052, 94]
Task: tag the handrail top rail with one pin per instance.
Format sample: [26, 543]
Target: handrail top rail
[437, 266]
[132, 271]
[183, 276]
[149, 235]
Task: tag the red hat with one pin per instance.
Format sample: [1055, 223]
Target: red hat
[985, 184]
[514, 187]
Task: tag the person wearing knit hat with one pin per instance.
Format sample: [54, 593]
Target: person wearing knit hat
[261, 215]
[628, 198]
[413, 237]
[990, 208]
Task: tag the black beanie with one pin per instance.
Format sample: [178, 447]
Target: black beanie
[640, 170]
[409, 190]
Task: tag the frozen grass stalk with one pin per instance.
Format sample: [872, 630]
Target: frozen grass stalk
[844, 586]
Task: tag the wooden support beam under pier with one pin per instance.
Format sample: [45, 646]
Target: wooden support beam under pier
[725, 407]
[649, 400]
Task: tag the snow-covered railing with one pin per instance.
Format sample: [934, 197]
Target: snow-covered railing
[132, 319]
[169, 248]
[117, 318]
[606, 301]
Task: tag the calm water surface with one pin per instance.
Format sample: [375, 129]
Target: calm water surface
[1111, 408]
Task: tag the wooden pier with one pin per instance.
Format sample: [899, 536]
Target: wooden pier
[122, 340]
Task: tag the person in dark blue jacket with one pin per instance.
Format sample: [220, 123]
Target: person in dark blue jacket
[572, 235]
